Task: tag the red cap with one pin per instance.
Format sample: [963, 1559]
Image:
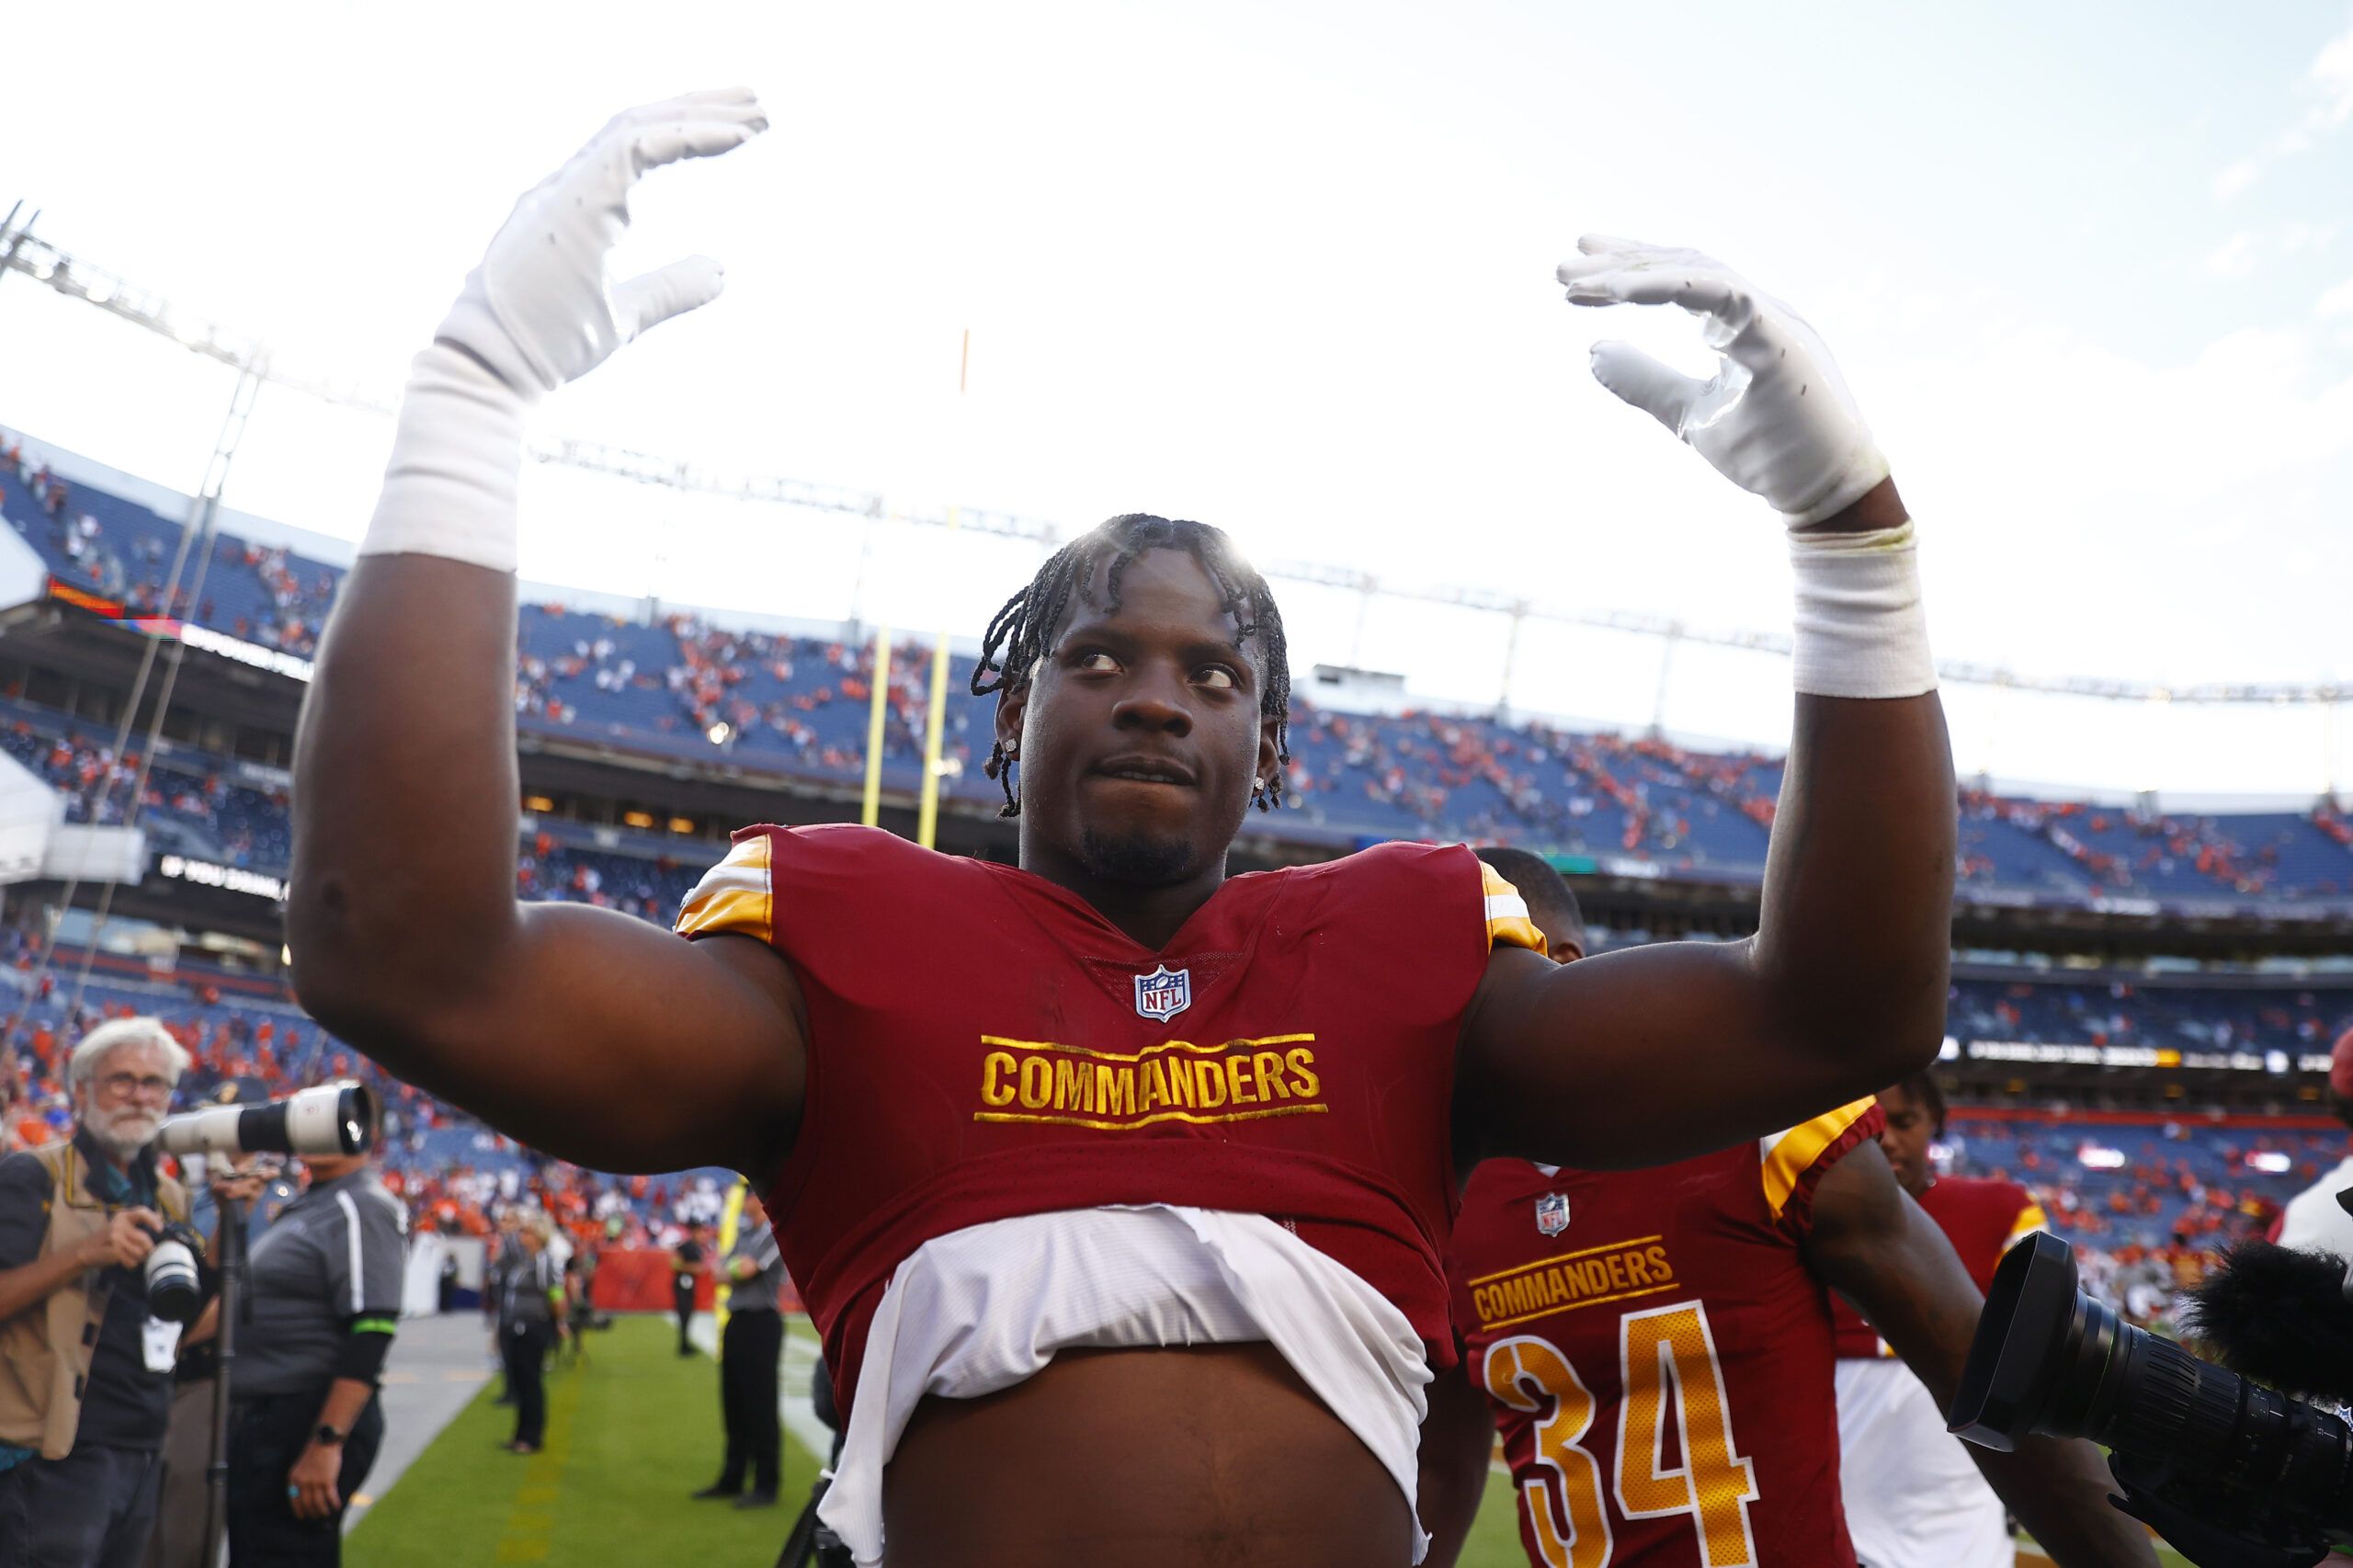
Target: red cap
[2340, 1066]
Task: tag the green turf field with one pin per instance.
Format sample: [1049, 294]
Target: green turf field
[629, 1438]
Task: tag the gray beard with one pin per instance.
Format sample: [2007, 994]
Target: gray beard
[113, 1143]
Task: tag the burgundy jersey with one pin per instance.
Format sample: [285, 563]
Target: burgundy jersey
[1656, 1356]
[1982, 1217]
[982, 1044]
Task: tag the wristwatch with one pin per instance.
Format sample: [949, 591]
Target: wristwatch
[327, 1436]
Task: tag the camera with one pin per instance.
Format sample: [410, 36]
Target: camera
[2232, 1473]
[332, 1119]
[174, 1282]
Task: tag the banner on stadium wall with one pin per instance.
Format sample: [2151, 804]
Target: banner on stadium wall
[2050, 1054]
[232, 879]
[637, 1279]
[170, 628]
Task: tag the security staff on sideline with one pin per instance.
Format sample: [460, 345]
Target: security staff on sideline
[530, 1317]
[689, 1261]
[85, 1373]
[322, 1305]
[506, 1252]
[754, 1271]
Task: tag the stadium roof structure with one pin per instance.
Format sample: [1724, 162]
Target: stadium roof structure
[77, 279]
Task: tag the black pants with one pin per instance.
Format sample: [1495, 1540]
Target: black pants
[747, 1358]
[93, 1508]
[682, 1297]
[267, 1435]
[525, 1348]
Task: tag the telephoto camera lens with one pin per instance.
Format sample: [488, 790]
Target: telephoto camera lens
[2198, 1438]
[175, 1293]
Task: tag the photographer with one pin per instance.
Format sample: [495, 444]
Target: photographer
[85, 1372]
[323, 1305]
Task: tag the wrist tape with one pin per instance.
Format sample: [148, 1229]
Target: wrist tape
[1861, 630]
[449, 488]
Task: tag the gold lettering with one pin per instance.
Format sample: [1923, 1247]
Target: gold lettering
[1237, 1081]
[1037, 1083]
[995, 1093]
[1180, 1083]
[1210, 1084]
[1303, 1081]
[1267, 1067]
[1073, 1086]
[1596, 1276]
[1637, 1270]
[1618, 1271]
[1115, 1091]
[1478, 1298]
[1151, 1084]
[1658, 1261]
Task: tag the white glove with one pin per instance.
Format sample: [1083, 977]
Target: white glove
[1774, 418]
[541, 309]
[538, 312]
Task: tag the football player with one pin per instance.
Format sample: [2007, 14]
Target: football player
[1915, 1495]
[1116, 1186]
[1655, 1347]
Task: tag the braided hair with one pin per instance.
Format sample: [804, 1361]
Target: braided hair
[1016, 637]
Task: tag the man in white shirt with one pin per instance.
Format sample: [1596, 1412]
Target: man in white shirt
[2314, 1218]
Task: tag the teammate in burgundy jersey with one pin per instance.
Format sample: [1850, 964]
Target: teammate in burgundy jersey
[1655, 1347]
[1915, 1497]
[862, 1026]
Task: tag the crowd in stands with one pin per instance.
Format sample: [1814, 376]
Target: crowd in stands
[2148, 1202]
[2147, 1199]
[2291, 1018]
[684, 685]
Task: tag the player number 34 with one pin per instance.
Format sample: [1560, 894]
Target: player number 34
[1666, 1359]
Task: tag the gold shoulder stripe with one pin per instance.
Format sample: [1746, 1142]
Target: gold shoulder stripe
[1507, 920]
[734, 897]
[1786, 1156]
[2030, 1219]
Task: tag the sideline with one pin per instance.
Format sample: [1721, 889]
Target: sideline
[436, 1365]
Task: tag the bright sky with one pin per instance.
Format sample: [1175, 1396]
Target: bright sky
[1288, 268]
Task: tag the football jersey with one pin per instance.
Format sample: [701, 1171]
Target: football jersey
[1982, 1217]
[1656, 1354]
[983, 1044]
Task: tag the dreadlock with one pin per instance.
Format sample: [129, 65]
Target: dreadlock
[1016, 638]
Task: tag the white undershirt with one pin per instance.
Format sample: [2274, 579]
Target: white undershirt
[984, 1307]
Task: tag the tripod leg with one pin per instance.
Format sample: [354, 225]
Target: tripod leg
[802, 1543]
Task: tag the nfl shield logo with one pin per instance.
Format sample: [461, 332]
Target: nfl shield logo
[1163, 993]
[1552, 1213]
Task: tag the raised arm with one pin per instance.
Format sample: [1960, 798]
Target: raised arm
[584, 1032]
[1875, 1246]
[1650, 1055]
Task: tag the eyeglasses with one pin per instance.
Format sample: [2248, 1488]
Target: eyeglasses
[122, 1086]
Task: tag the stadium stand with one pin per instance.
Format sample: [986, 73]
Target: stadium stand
[683, 687]
[2145, 1194]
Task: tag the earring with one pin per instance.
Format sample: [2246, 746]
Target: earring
[1258, 786]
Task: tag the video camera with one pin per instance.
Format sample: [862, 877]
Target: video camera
[2232, 1473]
